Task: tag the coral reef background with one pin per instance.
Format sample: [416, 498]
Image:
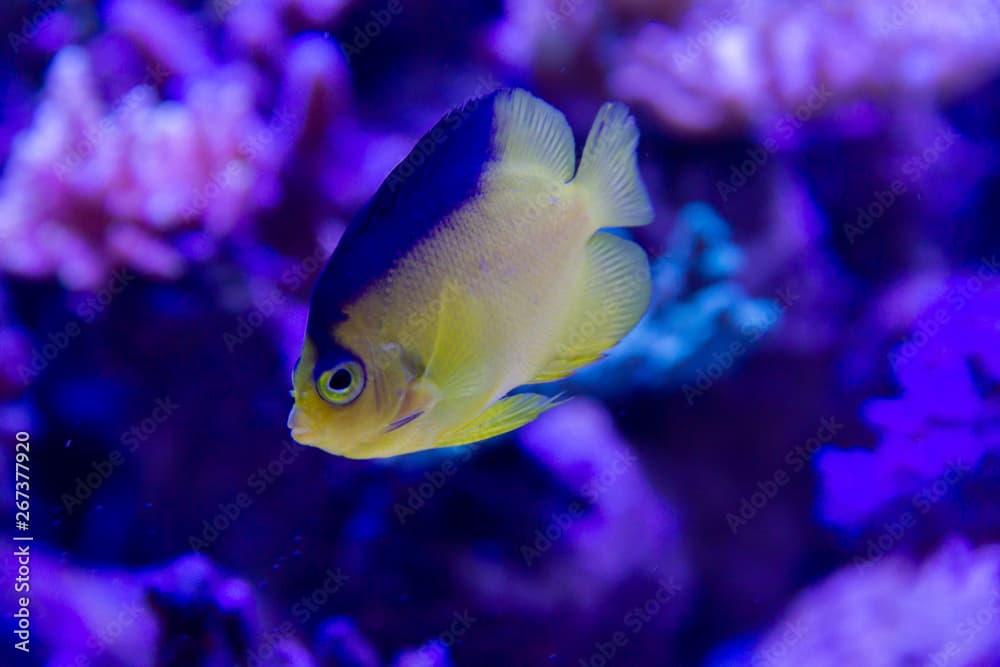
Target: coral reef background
[793, 460]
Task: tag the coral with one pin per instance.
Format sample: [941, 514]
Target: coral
[698, 311]
[545, 35]
[603, 544]
[945, 418]
[728, 65]
[944, 611]
[433, 654]
[340, 640]
[824, 175]
[733, 64]
[89, 188]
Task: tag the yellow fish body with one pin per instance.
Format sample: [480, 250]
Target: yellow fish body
[476, 268]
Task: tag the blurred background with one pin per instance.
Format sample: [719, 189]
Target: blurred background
[793, 460]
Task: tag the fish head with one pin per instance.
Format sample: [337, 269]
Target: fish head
[359, 403]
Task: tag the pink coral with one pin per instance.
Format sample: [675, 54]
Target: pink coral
[730, 64]
[89, 187]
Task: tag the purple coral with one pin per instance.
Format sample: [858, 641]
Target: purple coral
[235, 138]
[945, 611]
[945, 419]
[604, 545]
[730, 64]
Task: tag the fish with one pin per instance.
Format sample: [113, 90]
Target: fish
[476, 270]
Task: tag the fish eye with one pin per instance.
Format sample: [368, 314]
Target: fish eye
[341, 384]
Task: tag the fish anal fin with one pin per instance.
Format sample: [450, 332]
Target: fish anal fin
[614, 296]
[559, 368]
[502, 417]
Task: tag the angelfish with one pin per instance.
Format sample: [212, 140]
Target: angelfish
[476, 268]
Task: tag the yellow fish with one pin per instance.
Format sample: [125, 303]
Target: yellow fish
[477, 267]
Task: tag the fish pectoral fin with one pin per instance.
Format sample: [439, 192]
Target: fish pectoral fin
[455, 366]
[502, 417]
[403, 421]
[614, 296]
[420, 398]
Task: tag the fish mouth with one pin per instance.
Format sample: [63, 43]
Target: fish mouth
[300, 433]
[403, 421]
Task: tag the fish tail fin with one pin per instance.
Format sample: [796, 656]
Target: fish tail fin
[608, 171]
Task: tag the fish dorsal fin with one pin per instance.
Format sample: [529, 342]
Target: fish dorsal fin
[614, 295]
[530, 133]
[502, 417]
[507, 131]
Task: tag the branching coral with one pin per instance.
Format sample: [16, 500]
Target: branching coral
[89, 188]
[738, 63]
[945, 611]
[947, 416]
[697, 310]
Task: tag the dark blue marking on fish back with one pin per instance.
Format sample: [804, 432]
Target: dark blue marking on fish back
[439, 175]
